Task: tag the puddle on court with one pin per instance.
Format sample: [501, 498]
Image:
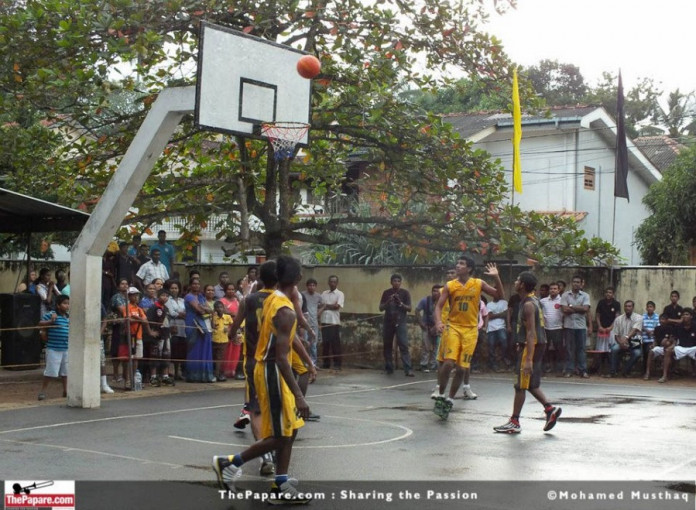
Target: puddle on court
[598, 418]
[683, 487]
[614, 400]
[412, 407]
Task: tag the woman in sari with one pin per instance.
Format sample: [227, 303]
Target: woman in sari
[199, 356]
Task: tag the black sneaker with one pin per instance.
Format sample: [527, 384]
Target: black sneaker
[287, 494]
[227, 473]
[551, 418]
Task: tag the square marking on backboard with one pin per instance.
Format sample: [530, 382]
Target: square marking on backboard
[257, 101]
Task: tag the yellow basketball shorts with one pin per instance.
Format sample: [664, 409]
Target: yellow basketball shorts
[458, 344]
[297, 365]
[529, 381]
[276, 402]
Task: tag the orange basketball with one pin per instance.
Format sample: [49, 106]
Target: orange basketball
[308, 66]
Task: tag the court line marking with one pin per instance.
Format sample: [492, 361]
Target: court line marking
[321, 395]
[664, 474]
[188, 410]
[407, 433]
[93, 452]
[113, 418]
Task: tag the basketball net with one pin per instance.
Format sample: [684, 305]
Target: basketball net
[284, 137]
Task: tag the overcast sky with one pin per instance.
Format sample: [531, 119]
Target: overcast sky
[645, 38]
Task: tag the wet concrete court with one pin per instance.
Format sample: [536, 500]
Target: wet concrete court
[373, 427]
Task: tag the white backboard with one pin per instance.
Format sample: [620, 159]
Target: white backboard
[243, 81]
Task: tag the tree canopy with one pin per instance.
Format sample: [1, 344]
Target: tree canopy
[89, 70]
[669, 233]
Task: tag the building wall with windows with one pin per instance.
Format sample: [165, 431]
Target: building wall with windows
[568, 168]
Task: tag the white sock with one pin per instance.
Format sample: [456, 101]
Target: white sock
[103, 381]
[465, 386]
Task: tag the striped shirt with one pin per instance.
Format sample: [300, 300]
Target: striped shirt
[650, 322]
[57, 332]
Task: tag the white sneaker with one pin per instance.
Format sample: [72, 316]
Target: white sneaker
[469, 395]
[105, 388]
[287, 494]
[436, 394]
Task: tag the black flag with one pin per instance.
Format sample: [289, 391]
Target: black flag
[621, 172]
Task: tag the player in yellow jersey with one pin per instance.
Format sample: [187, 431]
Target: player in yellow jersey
[280, 400]
[460, 332]
[531, 343]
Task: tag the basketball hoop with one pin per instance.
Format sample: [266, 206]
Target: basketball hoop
[284, 137]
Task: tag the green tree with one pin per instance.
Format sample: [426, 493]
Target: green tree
[561, 84]
[668, 233]
[639, 100]
[558, 83]
[678, 116]
[91, 69]
[464, 95]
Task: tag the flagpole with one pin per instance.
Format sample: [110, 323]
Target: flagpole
[516, 137]
[613, 230]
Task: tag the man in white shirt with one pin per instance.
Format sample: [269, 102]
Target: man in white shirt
[223, 280]
[330, 319]
[497, 331]
[314, 302]
[152, 270]
[553, 324]
[575, 305]
[627, 338]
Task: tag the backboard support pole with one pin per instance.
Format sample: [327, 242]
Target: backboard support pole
[86, 255]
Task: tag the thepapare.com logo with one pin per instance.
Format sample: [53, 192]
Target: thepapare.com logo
[35, 494]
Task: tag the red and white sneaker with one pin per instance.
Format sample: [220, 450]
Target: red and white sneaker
[243, 420]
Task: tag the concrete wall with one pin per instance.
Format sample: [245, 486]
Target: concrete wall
[655, 283]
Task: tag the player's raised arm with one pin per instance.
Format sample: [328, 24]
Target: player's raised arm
[497, 291]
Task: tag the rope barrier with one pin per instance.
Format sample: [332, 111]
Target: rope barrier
[124, 320]
[181, 360]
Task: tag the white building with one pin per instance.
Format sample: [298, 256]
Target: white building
[567, 164]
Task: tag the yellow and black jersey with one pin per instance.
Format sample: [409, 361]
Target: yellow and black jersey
[265, 349]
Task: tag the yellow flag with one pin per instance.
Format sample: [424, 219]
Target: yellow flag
[516, 134]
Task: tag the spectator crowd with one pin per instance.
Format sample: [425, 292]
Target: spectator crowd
[158, 329]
